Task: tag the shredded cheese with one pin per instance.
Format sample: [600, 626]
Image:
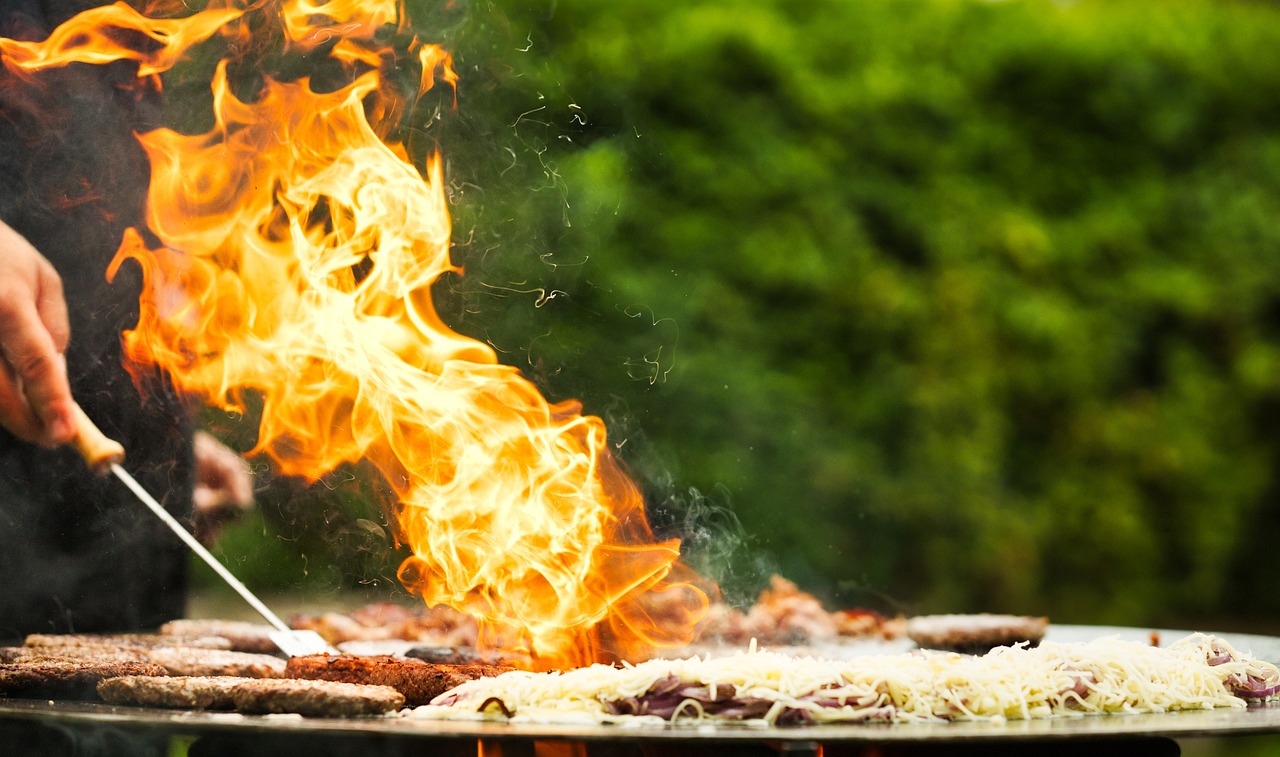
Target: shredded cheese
[1103, 676]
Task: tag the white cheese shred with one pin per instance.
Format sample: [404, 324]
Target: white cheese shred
[1104, 676]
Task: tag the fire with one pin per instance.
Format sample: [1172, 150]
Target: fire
[297, 248]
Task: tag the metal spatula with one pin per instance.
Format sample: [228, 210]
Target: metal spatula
[104, 455]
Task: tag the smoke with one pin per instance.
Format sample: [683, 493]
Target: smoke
[534, 260]
[714, 542]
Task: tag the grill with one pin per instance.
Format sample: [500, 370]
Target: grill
[278, 735]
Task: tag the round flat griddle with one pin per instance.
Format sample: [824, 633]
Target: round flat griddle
[1254, 720]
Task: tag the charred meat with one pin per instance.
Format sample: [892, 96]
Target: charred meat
[975, 634]
[417, 680]
[187, 661]
[322, 699]
[125, 640]
[183, 692]
[60, 678]
[243, 635]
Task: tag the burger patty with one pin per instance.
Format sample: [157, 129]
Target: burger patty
[243, 635]
[419, 681]
[125, 640]
[86, 653]
[61, 678]
[975, 634]
[323, 699]
[186, 661]
[185, 692]
[178, 661]
[446, 655]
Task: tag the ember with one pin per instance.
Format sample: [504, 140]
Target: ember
[297, 248]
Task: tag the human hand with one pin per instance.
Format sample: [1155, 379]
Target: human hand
[224, 486]
[35, 398]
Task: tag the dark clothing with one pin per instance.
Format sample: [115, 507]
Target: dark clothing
[78, 553]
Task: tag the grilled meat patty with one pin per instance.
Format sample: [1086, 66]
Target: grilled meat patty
[186, 661]
[178, 661]
[62, 678]
[324, 699]
[252, 696]
[447, 655]
[124, 640]
[419, 681]
[184, 692]
[975, 634]
[86, 653]
[243, 635]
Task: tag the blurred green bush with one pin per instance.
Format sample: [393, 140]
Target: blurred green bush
[954, 305]
[957, 305]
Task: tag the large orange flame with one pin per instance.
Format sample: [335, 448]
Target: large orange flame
[298, 248]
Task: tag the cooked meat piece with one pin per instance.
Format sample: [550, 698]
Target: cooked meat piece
[185, 692]
[417, 680]
[186, 661]
[90, 653]
[323, 699]
[336, 628]
[383, 614]
[783, 614]
[243, 635]
[857, 622]
[393, 647]
[439, 626]
[58, 678]
[446, 655]
[178, 661]
[975, 634]
[127, 640]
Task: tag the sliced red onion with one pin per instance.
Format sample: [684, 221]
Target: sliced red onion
[1253, 687]
[1081, 681]
[494, 705]
[669, 698]
[1219, 656]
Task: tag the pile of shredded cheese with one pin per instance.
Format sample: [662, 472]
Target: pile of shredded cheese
[1103, 676]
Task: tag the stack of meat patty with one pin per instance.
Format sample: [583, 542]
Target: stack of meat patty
[220, 665]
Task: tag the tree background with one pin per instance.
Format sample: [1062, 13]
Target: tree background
[929, 305]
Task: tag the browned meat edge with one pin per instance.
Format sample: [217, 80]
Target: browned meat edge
[184, 692]
[59, 678]
[418, 681]
[314, 698]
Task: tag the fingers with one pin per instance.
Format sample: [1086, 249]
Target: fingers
[15, 413]
[224, 486]
[223, 478]
[51, 304]
[36, 374]
[35, 397]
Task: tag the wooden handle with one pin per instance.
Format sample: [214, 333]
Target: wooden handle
[99, 452]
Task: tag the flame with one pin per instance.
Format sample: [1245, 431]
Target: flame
[297, 248]
[110, 33]
[312, 23]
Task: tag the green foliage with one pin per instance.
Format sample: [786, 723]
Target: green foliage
[316, 540]
[956, 305]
